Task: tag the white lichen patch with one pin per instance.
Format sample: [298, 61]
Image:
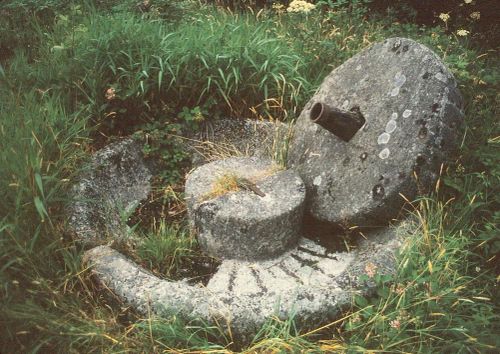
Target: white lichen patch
[407, 113]
[399, 79]
[394, 116]
[441, 78]
[390, 126]
[317, 181]
[384, 154]
[395, 91]
[383, 138]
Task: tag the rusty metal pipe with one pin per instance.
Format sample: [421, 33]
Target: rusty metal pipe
[343, 124]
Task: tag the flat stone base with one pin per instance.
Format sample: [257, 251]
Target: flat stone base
[308, 282]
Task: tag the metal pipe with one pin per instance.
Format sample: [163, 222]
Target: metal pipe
[343, 124]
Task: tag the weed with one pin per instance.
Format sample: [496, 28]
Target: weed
[223, 184]
[164, 247]
[162, 143]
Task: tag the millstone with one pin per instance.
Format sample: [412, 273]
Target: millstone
[260, 219]
[408, 107]
[309, 282]
[115, 182]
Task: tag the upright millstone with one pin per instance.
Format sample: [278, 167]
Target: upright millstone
[377, 130]
[245, 208]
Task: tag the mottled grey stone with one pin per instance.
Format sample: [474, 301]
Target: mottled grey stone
[412, 109]
[308, 282]
[110, 188]
[242, 224]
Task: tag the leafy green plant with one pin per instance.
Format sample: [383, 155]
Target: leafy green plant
[163, 143]
[192, 117]
[238, 65]
[173, 332]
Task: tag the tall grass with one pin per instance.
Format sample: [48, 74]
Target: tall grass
[228, 64]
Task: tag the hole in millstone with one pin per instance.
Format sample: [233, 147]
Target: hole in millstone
[420, 160]
[163, 242]
[435, 107]
[422, 133]
[316, 111]
[343, 124]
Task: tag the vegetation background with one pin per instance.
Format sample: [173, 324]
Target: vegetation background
[76, 74]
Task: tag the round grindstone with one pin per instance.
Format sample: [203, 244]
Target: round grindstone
[411, 108]
[259, 219]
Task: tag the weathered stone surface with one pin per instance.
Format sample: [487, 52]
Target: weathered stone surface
[412, 110]
[116, 179]
[308, 282]
[242, 224]
[238, 137]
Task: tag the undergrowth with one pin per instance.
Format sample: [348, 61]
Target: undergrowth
[72, 74]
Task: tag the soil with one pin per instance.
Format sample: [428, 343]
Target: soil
[334, 239]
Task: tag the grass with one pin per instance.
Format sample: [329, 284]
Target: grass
[165, 247]
[223, 184]
[54, 111]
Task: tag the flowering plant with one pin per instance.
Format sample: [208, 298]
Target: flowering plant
[298, 6]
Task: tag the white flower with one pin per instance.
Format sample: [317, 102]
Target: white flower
[444, 17]
[396, 324]
[467, 1]
[462, 32]
[476, 15]
[278, 7]
[300, 6]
